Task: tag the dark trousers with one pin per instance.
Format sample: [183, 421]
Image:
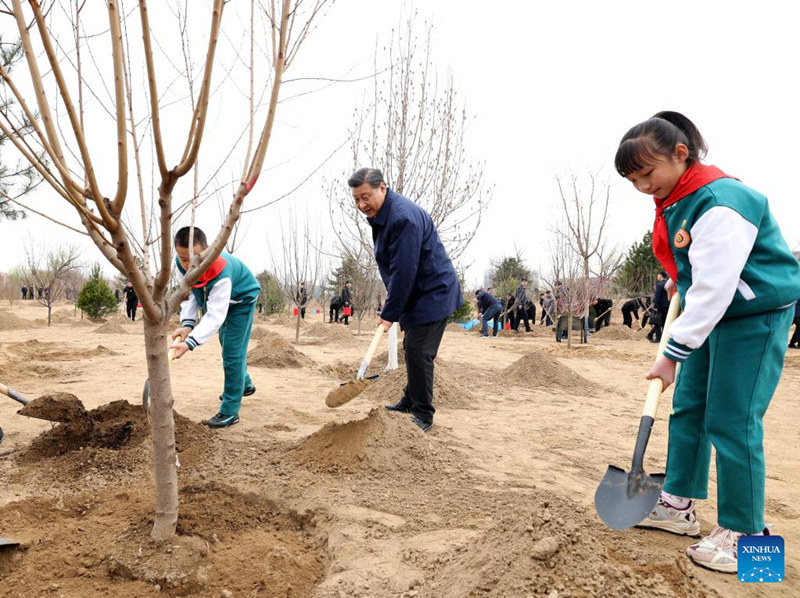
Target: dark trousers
[655, 331]
[520, 314]
[795, 342]
[627, 317]
[421, 344]
[604, 320]
[333, 314]
[303, 312]
[130, 309]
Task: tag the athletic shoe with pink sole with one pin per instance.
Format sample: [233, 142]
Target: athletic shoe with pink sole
[718, 551]
[682, 522]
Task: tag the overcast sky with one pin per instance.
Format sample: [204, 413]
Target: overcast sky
[550, 87]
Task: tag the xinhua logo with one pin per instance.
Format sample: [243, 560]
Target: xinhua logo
[761, 559]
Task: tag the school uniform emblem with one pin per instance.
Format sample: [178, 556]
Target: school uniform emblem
[681, 238]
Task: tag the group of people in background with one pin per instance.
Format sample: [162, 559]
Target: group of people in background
[32, 292]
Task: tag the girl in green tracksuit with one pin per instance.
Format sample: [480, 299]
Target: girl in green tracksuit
[738, 281]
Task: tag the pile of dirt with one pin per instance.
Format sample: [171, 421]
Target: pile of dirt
[11, 321]
[46, 351]
[380, 442]
[454, 327]
[339, 370]
[277, 353]
[539, 369]
[448, 391]
[109, 440]
[111, 327]
[68, 316]
[556, 549]
[259, 333]
[284, 320]
[618, 333]
[337, 333]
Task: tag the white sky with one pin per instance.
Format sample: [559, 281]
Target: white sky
[551, 86]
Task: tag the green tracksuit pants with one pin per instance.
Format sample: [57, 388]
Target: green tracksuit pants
[234, 335]
[721, 394]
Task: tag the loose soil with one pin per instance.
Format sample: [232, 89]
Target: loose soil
[299, 499]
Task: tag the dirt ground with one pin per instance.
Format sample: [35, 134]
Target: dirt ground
[299, 499]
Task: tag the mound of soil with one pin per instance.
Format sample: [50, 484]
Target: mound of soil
[44, 351]
[448, 391]
[453, 327]
[110, 438]
[259, 333]
[111, 327]
[57, 407]
[380, 442]
[337, 333]
[339, 370]
[277, 353]
[556, 549]
[284, 320]
[539, 369]
[618, 333]
[10, 321]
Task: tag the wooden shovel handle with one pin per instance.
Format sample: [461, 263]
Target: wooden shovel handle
[657, 384]
[370, 352]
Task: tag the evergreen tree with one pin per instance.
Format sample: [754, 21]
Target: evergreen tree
[637, 275]
[507, 273]
[272, 297]
[96, 297]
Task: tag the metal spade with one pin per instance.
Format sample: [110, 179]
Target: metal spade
[624, 499]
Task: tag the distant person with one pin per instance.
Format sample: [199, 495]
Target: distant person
[347, 303]
[227, 293]
[794, 343]
[117, 295]
[497, 319]
[520, 301]
[660, 308]
[488, 309]
[131, 301]
[630, 311]
[508, 309]
[530, 309]
[24, 293]
[548, 307]
[333, 311]
[422, 285]
[602, 313]
[302, 300]
[737, 280]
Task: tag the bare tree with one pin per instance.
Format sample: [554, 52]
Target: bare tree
[71, 167]
[49, 268]
[414, 130]
[298, 262]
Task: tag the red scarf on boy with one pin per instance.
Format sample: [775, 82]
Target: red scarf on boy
[214, 270]
[696, 176]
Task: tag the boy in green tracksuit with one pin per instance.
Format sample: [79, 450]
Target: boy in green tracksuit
[226, 292]
[719, 243]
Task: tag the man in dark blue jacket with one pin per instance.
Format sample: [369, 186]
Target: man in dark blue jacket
[488, 309]
[660, 308]
[421, 284]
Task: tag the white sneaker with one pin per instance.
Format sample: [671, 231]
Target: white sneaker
[718, 550]
[676, 521]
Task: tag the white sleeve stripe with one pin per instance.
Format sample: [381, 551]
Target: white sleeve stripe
[721, 244]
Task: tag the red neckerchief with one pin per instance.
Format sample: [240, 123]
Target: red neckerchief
[217, 266]
[696, 176]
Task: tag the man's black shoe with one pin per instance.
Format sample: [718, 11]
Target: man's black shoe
[422, 425]
[399, 406]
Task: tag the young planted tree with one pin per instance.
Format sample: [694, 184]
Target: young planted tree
[48, 269]
[414, 130]
[271, 298]
[96, 298]
[75, 153]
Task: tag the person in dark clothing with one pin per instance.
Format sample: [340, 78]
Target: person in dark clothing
[488, 309]
[794, 343]
[602, 313]
[24, 293]
[508, 308]
[333, 311]
[630, 311]
[302, 300]
[660, 308]
[530, 309]
[131, 301]
[117, 296]
[520, 301]
[347, 303]
[421, 283]
[548, 307]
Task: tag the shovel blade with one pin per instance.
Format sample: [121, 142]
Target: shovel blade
[624, 499]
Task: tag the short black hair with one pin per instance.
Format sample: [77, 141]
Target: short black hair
[663, 274]
[182, 237]
[372, 176]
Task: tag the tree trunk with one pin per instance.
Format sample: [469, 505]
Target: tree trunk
[165, 458]
[297, 327]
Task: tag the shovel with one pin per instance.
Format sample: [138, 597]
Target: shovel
[50, 408]
[624, 499]
[350, 390]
